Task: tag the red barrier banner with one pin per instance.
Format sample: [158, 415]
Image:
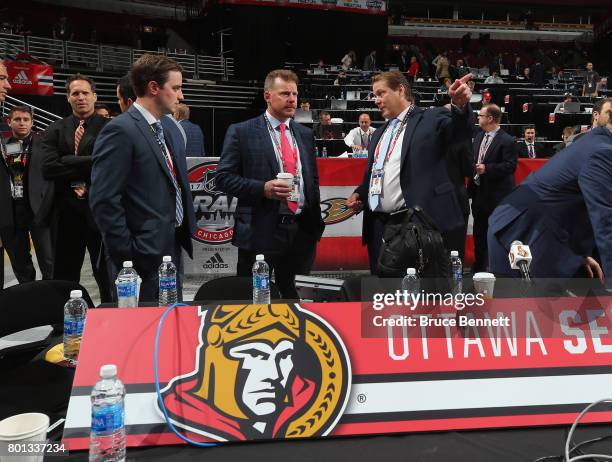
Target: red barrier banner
[340, 247]
[284, 371]
[29, 76]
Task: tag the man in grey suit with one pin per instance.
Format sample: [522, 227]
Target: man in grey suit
[193, 132]
[140, 194]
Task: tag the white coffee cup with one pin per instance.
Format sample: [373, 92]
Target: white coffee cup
[484, 283]
[287, 178]
[22, 430]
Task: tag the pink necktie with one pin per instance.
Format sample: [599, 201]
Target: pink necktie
[289, 159]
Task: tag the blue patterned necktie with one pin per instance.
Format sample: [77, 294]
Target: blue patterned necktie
[159, 135]
[374, 199]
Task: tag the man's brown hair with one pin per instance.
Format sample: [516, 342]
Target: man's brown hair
[78, 76]
[283, 74]
[183, 111]
[394, 80]
[19, 109]
[494, 112]
[152, 68]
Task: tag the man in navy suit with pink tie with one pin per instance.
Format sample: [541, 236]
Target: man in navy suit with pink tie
[283, 223]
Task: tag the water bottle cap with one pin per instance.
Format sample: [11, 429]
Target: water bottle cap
[454, 253]
[76, 293]
[411, 271]
[108, 371]
[259, 257]
[128, 264]
[167, 258]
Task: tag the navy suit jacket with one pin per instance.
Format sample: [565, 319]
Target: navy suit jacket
[424, 178]
[500, 164]
[562, 211]
[132, 196]
[195, 139]
[247, 162]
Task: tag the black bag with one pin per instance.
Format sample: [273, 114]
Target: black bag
[412, 240]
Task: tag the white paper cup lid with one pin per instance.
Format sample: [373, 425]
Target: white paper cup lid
[282, 176]
[484, 277]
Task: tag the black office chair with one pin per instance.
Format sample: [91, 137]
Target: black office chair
[351, 289]
[33, 304]
[29, 383]
[232, 288]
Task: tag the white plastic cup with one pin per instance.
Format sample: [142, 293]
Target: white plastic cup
[484, 283]
[287, 178]
[23, 429]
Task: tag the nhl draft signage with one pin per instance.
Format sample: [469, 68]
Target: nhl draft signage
[284, 371]
[213, 252]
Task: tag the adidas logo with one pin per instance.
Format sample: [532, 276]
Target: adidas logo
[215, 262]
[22, 79]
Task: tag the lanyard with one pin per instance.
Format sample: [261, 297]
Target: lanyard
[277, 146]
[395, 138]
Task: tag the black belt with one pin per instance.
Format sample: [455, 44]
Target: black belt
[387, 217]
[287, 219]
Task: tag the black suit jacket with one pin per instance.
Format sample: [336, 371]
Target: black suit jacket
[424, 177]
[460, 164]
[498, 180]
[40, 191]
[60, 165]
[247, 162]
[132, 196]
[523, 151]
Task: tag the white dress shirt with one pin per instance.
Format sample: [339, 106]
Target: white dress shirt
[357, 136]
[392, 198]
[489, 141]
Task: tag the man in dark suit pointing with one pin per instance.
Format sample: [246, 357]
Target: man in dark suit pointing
[406, 164]
[271, 218]
[139, 190]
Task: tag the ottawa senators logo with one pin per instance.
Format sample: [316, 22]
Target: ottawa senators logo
[334, 210]
[262, 372]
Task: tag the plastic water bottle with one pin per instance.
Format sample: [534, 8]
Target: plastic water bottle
[167, 282]
[107, 438]
[316, 151]
[75, 311]
[261, 281]
[411, 283]
[127, 286]
[457, 272]
[324, 153]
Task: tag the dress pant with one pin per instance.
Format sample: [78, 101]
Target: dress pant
[293, 252]
[75, 232]
[149, 273]
[480, 230]
[455, 239]
[376, 233]
[17, 244]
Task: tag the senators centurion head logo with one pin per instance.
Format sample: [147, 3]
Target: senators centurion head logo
[262, 372]
[214, 210]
